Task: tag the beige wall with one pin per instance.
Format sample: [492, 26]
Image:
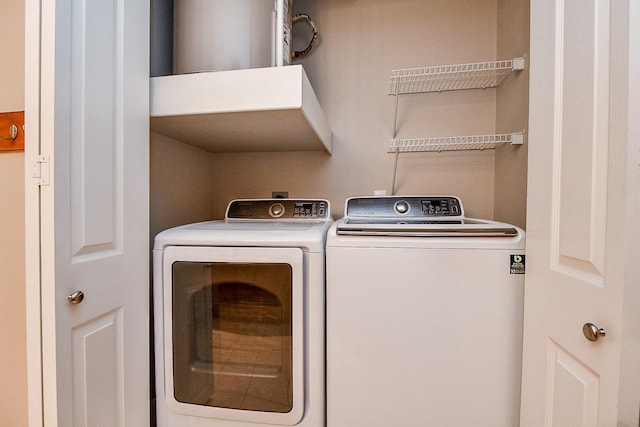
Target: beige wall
[512, 113]
[13, 387]
[360, 43]
[181, 180]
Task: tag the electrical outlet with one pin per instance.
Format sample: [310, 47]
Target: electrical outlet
[279, 194]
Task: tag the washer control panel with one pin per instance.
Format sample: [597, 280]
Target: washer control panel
[278, 209]
[413, 207]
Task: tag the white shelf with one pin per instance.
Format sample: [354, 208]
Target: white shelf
[454, 143]
[260, 109]
[478, 75]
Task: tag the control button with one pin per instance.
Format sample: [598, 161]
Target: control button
[401, 207]
[276, 210]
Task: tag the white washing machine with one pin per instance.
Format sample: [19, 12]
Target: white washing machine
[424, 316]
[240, 315]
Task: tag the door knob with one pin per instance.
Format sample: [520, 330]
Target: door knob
[592, 332]
[76, 298]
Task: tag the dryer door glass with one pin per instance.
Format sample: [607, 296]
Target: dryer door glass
[232, 335]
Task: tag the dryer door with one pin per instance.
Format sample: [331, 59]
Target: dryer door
[233, 344]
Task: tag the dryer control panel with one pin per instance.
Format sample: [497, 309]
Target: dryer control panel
[411, 207]
[278, 209]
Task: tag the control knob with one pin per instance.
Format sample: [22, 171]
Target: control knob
[276, 210]
[401, 207]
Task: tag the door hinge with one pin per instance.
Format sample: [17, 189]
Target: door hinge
[40, 170]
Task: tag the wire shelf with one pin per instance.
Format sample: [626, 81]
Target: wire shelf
[454, 143]
[478, 75]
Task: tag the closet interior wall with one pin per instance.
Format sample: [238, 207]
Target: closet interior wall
[360, 43]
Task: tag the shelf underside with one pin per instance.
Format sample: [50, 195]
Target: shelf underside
[254, 110]
[275, 130]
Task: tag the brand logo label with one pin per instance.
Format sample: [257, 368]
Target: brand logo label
[517, 264]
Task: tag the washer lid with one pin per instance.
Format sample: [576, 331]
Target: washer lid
[460, 228]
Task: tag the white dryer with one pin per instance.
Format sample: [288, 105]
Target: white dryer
[424, 316]
[239, 317]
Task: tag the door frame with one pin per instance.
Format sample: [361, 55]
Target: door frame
[40, 25]
[629, 385]
[33, 31]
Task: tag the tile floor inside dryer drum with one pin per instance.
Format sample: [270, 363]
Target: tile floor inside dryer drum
[252, 372]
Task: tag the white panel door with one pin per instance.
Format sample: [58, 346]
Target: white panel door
[93, 130]
[582, 209]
